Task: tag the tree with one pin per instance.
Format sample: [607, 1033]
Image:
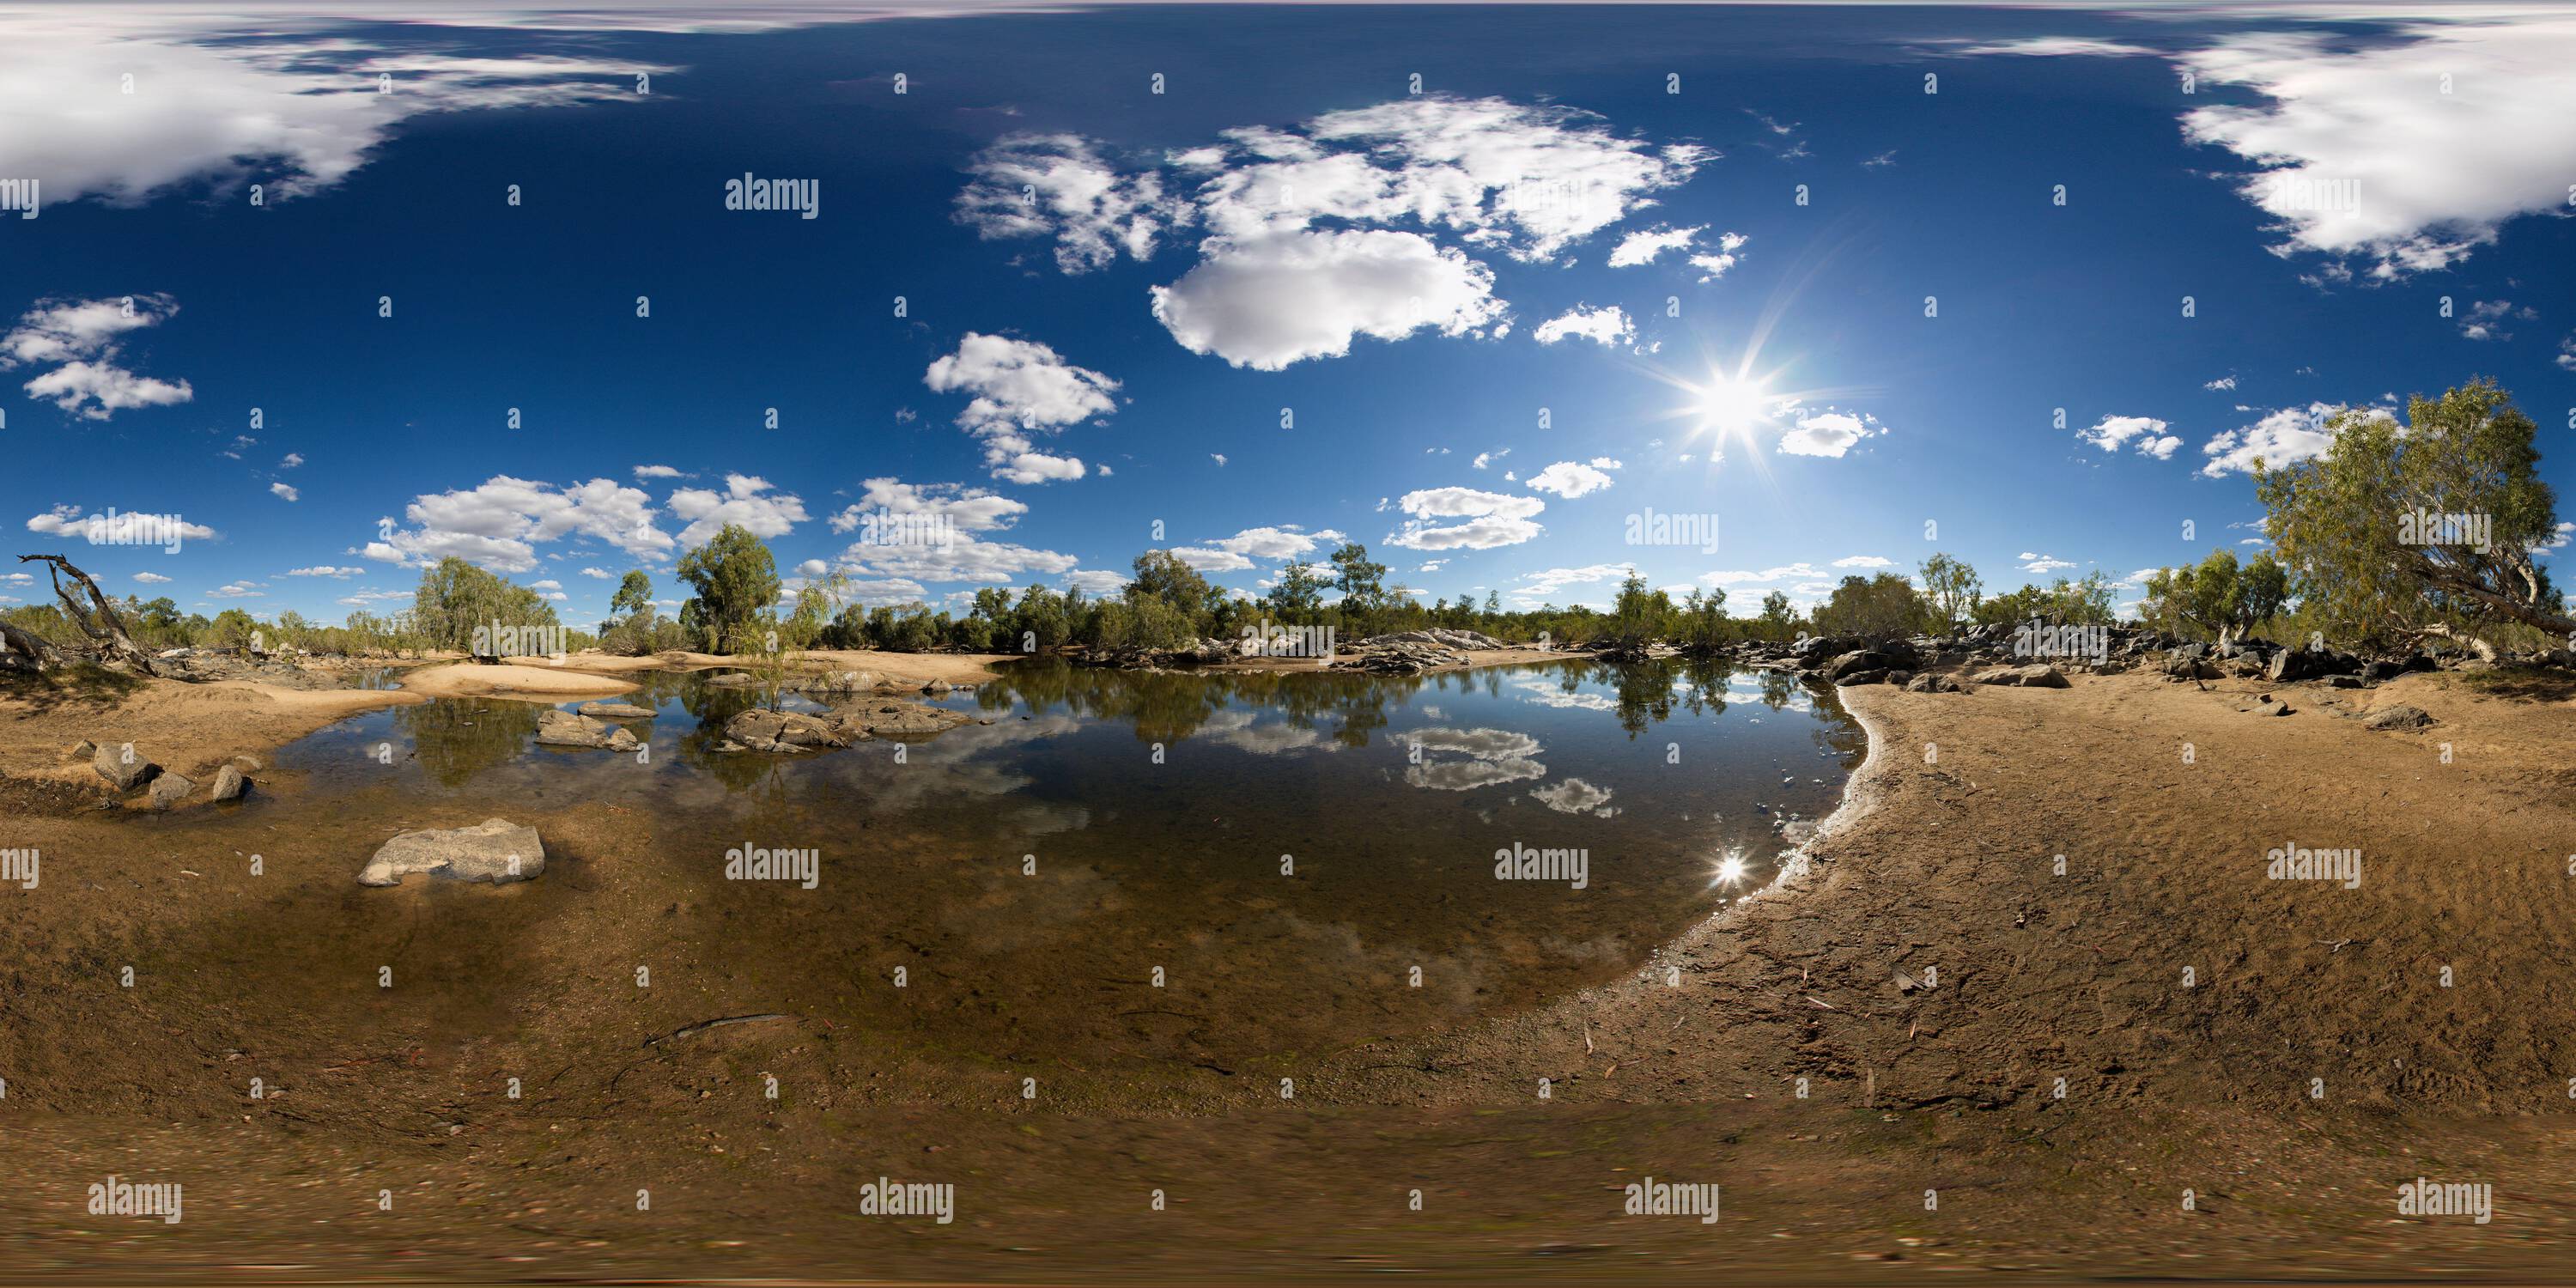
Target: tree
[1639, 616]
[1361, 580]
[1703, 620]
[1162, 575]
[735, 579]
[455, 597]
[1881, 607]
[2426, 531]
[2217, 595]
[1951, 588]
[634, 595]
[1298, 595]
[1778, 618]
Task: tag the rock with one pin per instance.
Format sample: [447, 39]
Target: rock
[839, 682]
[2268, 707]
[494, 850]
[2398, 718]
[1930, 683]
[731, 680]
[936, 688]
[120, 766]
[1900, 654]
[761, 729]
[2344, 681]
[2189, 666]
[84, 749]
[557, 727]
[1441, 637]
[615, 711]
[1855, 661]
[229, 785]
[169, 789]
[2309, 663]
[246, 764]
[1860, 678]
[2038, 675]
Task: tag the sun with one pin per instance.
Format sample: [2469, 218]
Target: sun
[1730, 870]
[1733, 404]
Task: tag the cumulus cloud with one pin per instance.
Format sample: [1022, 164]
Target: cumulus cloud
[1019, 388]
[1714, 264]
[746, 502]
[2110, 432]
[326, 570]
[960, 554]
[1570, 479]
[2223, 382]
[1096, 581]
[81, 345]
[656, 472]
[1863, 561]
[951, 505]
[1484, 459]
[2362, 155]
[2290, 434]
[1642, 246]
[115, 527]
[1487, 519]
[499, 524]
[1828, 433]
[2040, 565]
[1607, 325]
[156, 579]
[1542, 585]
[286, 491]
[1334, 228]
[1268, 301]
[1796, 572]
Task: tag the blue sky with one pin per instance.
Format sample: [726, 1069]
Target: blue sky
[1287, 298]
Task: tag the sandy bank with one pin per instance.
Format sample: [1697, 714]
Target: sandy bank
[186, 727]
[510, 680]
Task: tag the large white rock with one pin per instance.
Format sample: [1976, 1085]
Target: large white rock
[495, 850]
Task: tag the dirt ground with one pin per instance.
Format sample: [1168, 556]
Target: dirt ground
[1867, 1060]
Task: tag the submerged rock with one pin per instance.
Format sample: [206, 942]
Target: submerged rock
[494, 850]
[557, 727]
[760, 729]
[615, 711]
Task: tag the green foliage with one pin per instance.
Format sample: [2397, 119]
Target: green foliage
[1879, 607]
[735, 579]
[2067, 603]
[1951, 590]
[2349, 523]
[2216, 596]
[455, 598]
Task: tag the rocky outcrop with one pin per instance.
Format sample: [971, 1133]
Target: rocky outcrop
[788, 732]
[495, 850]
[557, 727]
[2398, 718]
[614, 711]
[2038, 675]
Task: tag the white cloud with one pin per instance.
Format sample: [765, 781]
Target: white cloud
[498, 524]
[1020, 387]
[1272, 543]
[967, 509]
[2110, 432]
[1569, 480]
[1219, 458]
[294, 113]
[1607, 325]
[2486, 317]
[1491, 519]
[1038, 185]
[2223, 382]
[547, 584]
[2290, 434]
[1798, 572]
[238, 590]
[1096, 581]
[2058, 47]
[326, 570]
[82, 342]
[2161, 448]
[1206, 559]
[1543, 585]
[1484, 459]
[156, 579]
[1711, 267]
[746, 502]
[126, 528]
[286, 491]
[601, 573]
[656, 472]
[1642, 246]
[2363, 153]
[2567, 354]
[1864, 561]
[1268, 301]
[1828, 433]
[2041, 565]
[292, 460]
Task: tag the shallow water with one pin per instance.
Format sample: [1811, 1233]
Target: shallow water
[1288, 850]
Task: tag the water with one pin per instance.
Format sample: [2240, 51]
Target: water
[1289, 850]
